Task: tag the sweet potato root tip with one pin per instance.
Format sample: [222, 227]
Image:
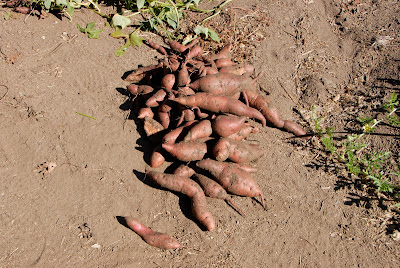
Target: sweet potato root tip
[156, 158]
[294, 128]
[155, 239]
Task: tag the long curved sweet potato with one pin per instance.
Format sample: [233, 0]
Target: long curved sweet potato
[220, 104]
[236, 151]
[294, 128]
[265, 107]
[151, 237]
[235, 180]
[187, 187]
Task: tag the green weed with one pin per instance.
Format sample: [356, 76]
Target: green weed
[355, 155]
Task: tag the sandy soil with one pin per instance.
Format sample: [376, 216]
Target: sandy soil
[50, 73]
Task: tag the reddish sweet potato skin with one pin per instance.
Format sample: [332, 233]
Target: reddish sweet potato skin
[199, 130]
[269, 112]
[151, 237]
[168, 82]
[225, 84]
[220, 104]
[225, 125]
[236, 151]
[187, 187]
[244, 132]
[157, 158]
[187, 151]
[184, 171]
[235, 180]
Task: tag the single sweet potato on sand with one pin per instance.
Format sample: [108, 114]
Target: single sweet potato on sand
[151, 237]
[187, 187]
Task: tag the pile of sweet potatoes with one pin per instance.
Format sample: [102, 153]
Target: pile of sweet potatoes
[195, 109]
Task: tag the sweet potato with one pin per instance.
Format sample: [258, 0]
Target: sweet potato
[177, 46]
[187, 116]
[135, 89]
[265, 107]
[214, 190]
[140, 73]
[238, 69]
[235, 180]
[294, 128]
[220, 104]
[225, 84]
[187, 187]
[183, 78]
[199, 130]
[172, 136]
[185, 91]
[207, 71]
[151, 237]
[157, 97]
[223, 63]
[224, 53]
[151, 126]
[164, 119]
[184, 171]
[187, 151]
[168, 82]
[157, 158]
[156, 46]
[145, 111]
[244, 132]
[236, 151]
[225, 125]
[200, 114]
[193, 52]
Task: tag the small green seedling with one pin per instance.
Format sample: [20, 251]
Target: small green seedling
[90, 31]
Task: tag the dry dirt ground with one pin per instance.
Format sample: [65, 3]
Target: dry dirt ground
[50, 74]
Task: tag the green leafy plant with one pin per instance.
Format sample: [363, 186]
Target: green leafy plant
[66, 6]
[90, 31]
[356, 156]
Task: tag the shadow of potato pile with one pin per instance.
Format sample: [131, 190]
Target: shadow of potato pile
[196, 112]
